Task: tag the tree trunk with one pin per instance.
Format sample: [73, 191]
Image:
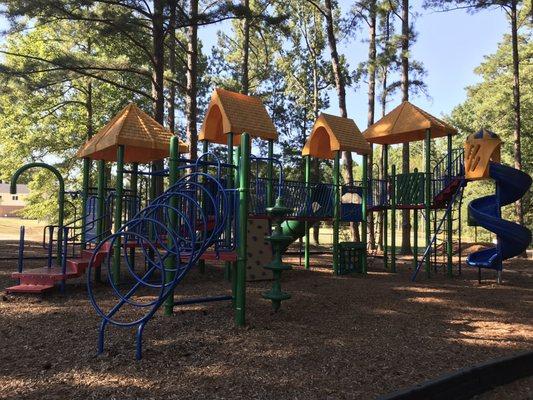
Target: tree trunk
[158, 42]
[384, 96]
[315, 166]
[371, 103]
[192, 80]
[245, 82]
[341, 94]
[516, 104]
[171, 117]
[406, 223]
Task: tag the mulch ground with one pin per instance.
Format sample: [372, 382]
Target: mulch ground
[353, 337]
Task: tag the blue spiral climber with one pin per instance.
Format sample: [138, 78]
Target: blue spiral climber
[171, 234]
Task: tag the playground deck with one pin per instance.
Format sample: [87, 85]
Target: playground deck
[338, 337]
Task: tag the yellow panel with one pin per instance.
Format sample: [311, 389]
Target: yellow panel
[478, 154]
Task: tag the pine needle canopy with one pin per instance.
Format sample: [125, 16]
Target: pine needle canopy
[231, 112]
[143, 138]
[331, 133]
[407, 123]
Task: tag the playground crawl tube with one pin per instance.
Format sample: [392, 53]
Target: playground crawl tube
[513, 239]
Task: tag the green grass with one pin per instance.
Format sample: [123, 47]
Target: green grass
[10, 228]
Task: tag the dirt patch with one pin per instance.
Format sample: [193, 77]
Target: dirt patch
[338, 337]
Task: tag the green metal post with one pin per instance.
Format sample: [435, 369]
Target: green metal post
[427, 200]
[363, 213]
[60, 199]
[230, 184]
[415, 227]
[170, 262]
[118, 213]
[308, 194]
[84, 197]
[205, 149]
[393, 221]
[100, 210]
[449, 220]
[386, 209]
[270, 174]
[134, 180]
[231, 271]
[240, 278]
[336, 212]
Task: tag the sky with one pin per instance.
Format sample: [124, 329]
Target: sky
[450, 45]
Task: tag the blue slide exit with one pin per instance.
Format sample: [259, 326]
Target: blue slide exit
[513, 239]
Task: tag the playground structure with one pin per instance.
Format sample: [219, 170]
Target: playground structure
[205, 212]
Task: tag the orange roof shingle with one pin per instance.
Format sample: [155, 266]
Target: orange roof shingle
[331, 133]
[144, 139]
[407, 123]
[231, 112]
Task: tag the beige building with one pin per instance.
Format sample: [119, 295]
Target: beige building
[11, 203]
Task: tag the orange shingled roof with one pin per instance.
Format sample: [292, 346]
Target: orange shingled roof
[143, 138]
[236, 113]
[331, 133]
[407, 123]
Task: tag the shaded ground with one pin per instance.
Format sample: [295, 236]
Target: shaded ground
[521, 389]
[338, 337]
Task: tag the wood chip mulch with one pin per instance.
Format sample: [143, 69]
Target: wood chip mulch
[339, 337]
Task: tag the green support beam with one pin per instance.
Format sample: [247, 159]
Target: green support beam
[101, 184]
[230, 268]
[240, 278]
[308, 195]
[393, 220]
[270, 174]
[427, 197]
[205, 149]
[386, 211]
[134, 182]
[449, 219]
[336, 211]
[364, 215]
[171, 262]
[415, 231]
[84, 198]
[119, 186]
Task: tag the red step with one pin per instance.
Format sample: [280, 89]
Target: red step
[25, 288]
[44, 274]
[39, 280]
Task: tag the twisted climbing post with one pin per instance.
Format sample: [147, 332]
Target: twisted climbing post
[277, 214]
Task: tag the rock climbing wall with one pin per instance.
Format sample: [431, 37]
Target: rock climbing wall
[259, 250]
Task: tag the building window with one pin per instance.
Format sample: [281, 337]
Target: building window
[14, 197]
